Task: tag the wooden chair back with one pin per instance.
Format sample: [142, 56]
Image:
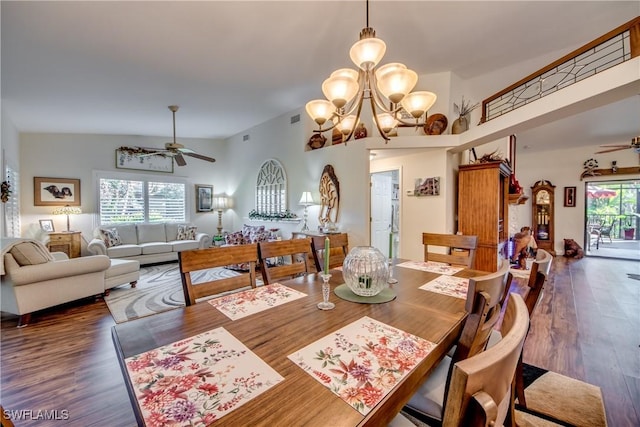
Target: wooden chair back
[480, 386]
[460, 250]
[338, 250]
[192, 261]
[293, 259]
[485, 297]
[541, 264]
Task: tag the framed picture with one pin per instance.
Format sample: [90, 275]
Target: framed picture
[142, 159]
[56, 192]
[427, 187]
[570, 197]
[47, 224]
[204, 198]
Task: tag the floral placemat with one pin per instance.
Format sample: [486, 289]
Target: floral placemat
[195, 381]
[242, 304]
[448, 285]
[362, 361]
[432, 267]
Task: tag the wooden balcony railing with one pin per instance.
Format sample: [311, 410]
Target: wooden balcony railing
[609, 50]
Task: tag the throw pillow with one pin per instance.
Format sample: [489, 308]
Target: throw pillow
[110, 237]
[234, 238]
[248, 229]
[30, 253]
[186, 232]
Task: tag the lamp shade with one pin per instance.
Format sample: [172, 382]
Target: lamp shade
[320, 110]
[67, 210]
[341, 86]
[221, 202]
[306, 199]
[367, 52]
[395, 81]
[348, 123]
[387, 122]
[416, 103]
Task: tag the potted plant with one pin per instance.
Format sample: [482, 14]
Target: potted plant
[627, 227]
[461, 124]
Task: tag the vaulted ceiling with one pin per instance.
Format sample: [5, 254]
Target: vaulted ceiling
[113, 67]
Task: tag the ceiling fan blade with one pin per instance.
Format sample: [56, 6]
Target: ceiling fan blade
[200, 156]
[180, 161]
[616, 145]
[612, 149]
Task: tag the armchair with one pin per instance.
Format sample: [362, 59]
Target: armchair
[34, 278]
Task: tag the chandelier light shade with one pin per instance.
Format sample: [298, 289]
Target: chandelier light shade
[67, 210]
[388, 88]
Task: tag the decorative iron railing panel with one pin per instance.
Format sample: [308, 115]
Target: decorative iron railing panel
[612, 49]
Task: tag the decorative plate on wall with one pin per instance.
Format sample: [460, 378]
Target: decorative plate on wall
[436, 124]
[316, 141]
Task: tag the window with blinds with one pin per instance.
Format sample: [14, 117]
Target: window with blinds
[141, 200]
[271, 188]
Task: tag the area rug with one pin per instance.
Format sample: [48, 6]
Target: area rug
[159, 289]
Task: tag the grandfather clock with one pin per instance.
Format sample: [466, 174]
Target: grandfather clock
[542, 204]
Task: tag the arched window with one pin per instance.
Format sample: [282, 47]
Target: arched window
[271, 188]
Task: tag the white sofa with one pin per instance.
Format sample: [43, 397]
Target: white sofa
[146, 242]
[34, 278]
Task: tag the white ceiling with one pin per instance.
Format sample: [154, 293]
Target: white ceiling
[114, 67]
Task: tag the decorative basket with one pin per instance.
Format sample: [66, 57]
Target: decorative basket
[365, 271]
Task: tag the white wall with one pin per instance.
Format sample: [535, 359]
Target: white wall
[281, 140]
[79, 156]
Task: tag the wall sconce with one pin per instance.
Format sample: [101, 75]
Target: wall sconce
[220, 203]
[67, 210]
[306, 200]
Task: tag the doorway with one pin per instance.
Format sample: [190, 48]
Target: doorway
[385, 212]
[612, 218]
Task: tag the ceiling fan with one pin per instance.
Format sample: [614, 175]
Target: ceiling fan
[174, 149]
[635, 145]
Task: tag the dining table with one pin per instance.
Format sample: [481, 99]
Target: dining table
[273, 335]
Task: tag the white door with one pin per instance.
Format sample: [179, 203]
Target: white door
[381, 211]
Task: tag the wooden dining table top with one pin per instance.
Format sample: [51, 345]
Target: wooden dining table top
[276, 333]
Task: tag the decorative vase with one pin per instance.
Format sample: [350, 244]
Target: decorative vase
[365, 271]
[461, 124]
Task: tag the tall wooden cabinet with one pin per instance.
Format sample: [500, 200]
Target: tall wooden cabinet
[483, 210]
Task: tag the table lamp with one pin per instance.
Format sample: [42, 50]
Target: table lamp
[306, 200]
[220, 203]
[67, 210]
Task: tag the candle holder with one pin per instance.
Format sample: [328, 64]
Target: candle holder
[392, 280]
[325, 304]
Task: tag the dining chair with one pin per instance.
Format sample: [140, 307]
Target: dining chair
[338, 249]
[192, 261]
[460, 250]
[484, 297]
[293, 256]
[479, 387]
[542, 264]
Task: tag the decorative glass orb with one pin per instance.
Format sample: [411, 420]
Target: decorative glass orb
[365, 271]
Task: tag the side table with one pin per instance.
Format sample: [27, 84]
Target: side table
[65, 241]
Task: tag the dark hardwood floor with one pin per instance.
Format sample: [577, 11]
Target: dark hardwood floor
[586, 327]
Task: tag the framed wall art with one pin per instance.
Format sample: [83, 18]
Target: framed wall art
[427, 186]
[204, 198]
[56, 191]
[47, 225]
[570, 197]
[142, 159]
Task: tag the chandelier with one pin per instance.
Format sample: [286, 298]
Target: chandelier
[388, 88]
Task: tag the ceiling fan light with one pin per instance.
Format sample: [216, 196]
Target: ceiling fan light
[395, 81]
[387, 122]
[341, 87]
[320, 110]
[367, 52]
[417, 103]
[347, 124]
